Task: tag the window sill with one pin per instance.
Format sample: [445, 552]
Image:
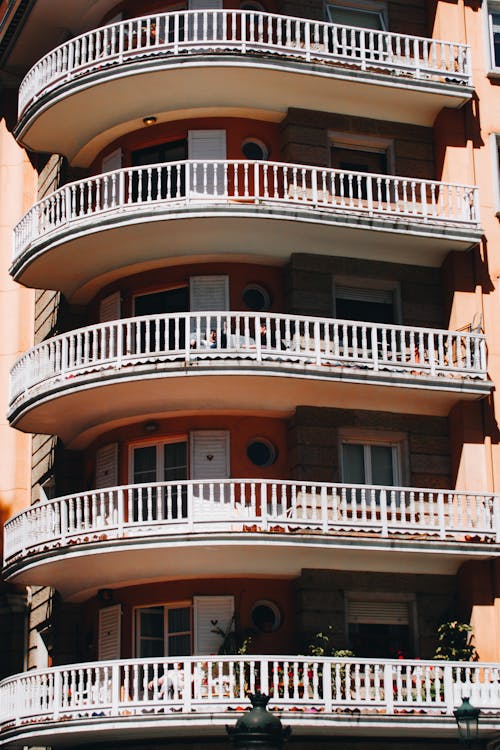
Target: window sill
[494, 74]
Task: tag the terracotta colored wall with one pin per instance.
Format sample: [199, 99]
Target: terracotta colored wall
[242, 430]
[245, 591]
[237, 130]
[479, 596]
[240, 274]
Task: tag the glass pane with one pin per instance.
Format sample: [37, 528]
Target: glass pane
[364, 19]
[380, 641]
[353, 464]
[151, 622]
[150, 648]
[145, 464]
[179, 620]
[382, 465]
[495, 19]
[175, 461]
[179, 645]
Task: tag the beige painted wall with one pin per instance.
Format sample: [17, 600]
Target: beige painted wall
[17, 193]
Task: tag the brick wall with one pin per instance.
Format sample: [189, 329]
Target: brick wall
[321, 601]
[309, 286]
[314, 442]
[305, 140]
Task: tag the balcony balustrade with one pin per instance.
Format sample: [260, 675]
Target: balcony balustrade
[160, 191]
[232, 31]
[376, 691]
[240, 505]
[321, 347]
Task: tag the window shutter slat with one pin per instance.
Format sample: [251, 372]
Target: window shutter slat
[106, 466]
[207, 611]
[210, 454]
[110, 308]
[358, 294]
[378, 612]
[208, 293]
[110, 619]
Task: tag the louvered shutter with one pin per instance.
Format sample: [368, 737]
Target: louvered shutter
[201, 29]
[207, 293]
[206, 145]
[110, 308]
[211, 612]
[106, 466]
[110, 621]
[209, 454]
[112, 161]
[378, 612]
[112, 187]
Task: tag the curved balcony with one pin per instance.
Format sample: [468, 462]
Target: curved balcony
[91, 379]
[232, 60]
[102, 538]
[92, 231]
[145, 698]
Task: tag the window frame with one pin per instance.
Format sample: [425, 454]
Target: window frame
[395, 440]
[492, 8]
[387, 596]
[365, 283]
[367, 143]
[374, 7]
[159, 443]
[495, 155]
[182, 604]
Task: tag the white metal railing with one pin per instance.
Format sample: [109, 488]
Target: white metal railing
[285, 340]
[172, 508]
[158, 187]
[229, 31]
[212, 684]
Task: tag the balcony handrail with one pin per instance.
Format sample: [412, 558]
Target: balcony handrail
[417, 58]
[285, 340]
[210, 684]
[226, 505]
[239, 182]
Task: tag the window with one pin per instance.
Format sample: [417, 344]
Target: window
[362, 13]
[375, 304]
[256, 298]
[373, 458]
[161, 183]
[164, 630]
[362, 154]
[254, 149]
[266, 616]
[380, 627]
[494, 33]
[160, 462]
[495, 147]
[261, 452]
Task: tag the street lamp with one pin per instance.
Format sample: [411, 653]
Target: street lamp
[467, 717]
[258, 729]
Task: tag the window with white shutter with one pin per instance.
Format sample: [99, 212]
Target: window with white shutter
[211, 612]
[110, 620]
[106, 466]
[112, 161]
[110, 308]
[207, 293]
[210, 454]
[206, 146]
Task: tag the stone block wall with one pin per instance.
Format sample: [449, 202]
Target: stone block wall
[314, 443]
[321, 601]
[310, 278]
[305, 139]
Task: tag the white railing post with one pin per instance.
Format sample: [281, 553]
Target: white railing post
[327, 686]
[120, 510]
[441, 516]
[449, 697]
[57, 704]
[190, 506]
[388, 689]
[383, 513]
[115, 689]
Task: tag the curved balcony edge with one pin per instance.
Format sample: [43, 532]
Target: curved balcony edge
[218, 343]
[407, 60]
[245, 188]
[437, 521]
[141, 694]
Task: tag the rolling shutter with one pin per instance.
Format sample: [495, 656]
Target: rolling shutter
[210, 612]
[209, 454]
[206, 145]
[358, 294]
[106, 466]
[378, 612]
[110, 620]
[110, 308]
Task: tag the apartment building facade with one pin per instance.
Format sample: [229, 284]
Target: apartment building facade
[261, 269]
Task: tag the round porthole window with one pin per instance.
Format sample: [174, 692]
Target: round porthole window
[252, 6]
[254, 149]
[256, 298]
[261, 452]
[266, 616]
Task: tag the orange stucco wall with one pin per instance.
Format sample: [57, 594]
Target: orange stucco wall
[245, 591]
[242, 430]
